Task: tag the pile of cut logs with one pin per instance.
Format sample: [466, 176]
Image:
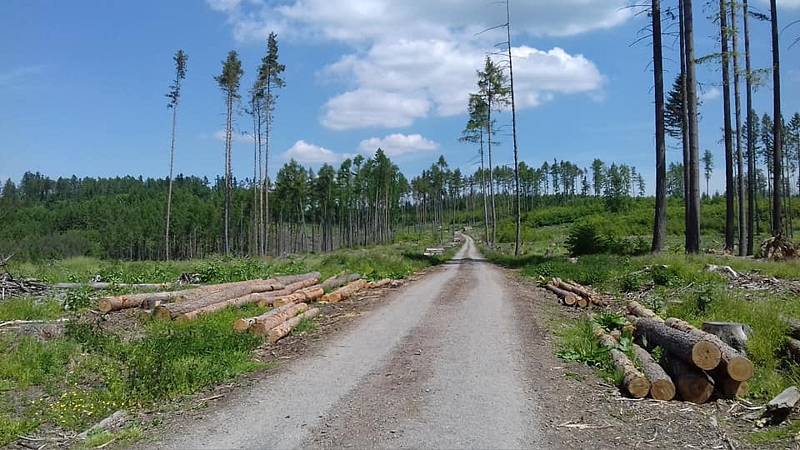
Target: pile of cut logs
[288, 313]
[695, 364]
[573, 294]
[289, 297]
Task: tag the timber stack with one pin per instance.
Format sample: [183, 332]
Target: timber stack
[695, 364]
[573, 294]
[192, 303]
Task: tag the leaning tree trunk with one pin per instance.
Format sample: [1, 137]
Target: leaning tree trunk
[693, 230]
[730, 191]
[738, 105]
[660, 221]
[777, 127]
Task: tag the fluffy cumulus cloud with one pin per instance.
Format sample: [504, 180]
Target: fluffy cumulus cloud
[397, 145]
[415, 59]
[306, 153]
[360, 20]
[400, 81]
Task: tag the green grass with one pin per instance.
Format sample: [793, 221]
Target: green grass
[25, 308]
[76, 380]
[305, 326]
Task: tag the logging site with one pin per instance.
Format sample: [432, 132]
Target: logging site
[450, 224]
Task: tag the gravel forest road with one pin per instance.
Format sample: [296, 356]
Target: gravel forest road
[439, 365]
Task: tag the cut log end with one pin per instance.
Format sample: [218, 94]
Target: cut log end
[706, 355]
[740, 368]
[662, 390]
[638, 387]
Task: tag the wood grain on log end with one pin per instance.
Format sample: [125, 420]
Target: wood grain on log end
[706, 355]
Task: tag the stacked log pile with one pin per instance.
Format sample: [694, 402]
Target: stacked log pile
[573, 294]
[192, 303]
[698, 363]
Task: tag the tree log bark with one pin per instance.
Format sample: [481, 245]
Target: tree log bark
[633, 380]
[206, 298]
[380, 283]
[261, 325]
[568, 298]
[693, 385]
[695, 350]
[280, 331]
[661, 385]
[736, 366]
[338, 281]
[638, 310]
[343, 293]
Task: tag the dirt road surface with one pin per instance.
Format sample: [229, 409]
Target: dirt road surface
[456, 359]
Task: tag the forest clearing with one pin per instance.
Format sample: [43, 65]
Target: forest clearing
[532, 224]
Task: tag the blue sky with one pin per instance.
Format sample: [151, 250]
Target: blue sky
[82, 83]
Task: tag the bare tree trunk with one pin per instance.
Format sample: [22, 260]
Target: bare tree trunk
[739, 156]
[684, 125]
[660, 225]
[517, 212]
[491, 174]
[777, 130]
[730, 191]
[751, 151]
[693, 230]
[228, 141]
[169, 189]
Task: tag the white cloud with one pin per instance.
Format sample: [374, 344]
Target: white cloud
[396, 145]
[238, 138]
[365, 20]
[306, 153]
[414, 59]
[368, 108]
[710, 94]
[785, 4]
[400, 81]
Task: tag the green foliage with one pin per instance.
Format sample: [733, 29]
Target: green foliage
[578, 343]
[12, 427]
[598, 235]
[78, 299]
[610, 320]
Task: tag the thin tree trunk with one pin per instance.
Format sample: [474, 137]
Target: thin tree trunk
[169, 189]
[777, 130]
[730, 190]
[660, 225]
[684, 126]
[517, 212]
[739, 154]
[228, 139]
[491, 173]
[693, 229]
